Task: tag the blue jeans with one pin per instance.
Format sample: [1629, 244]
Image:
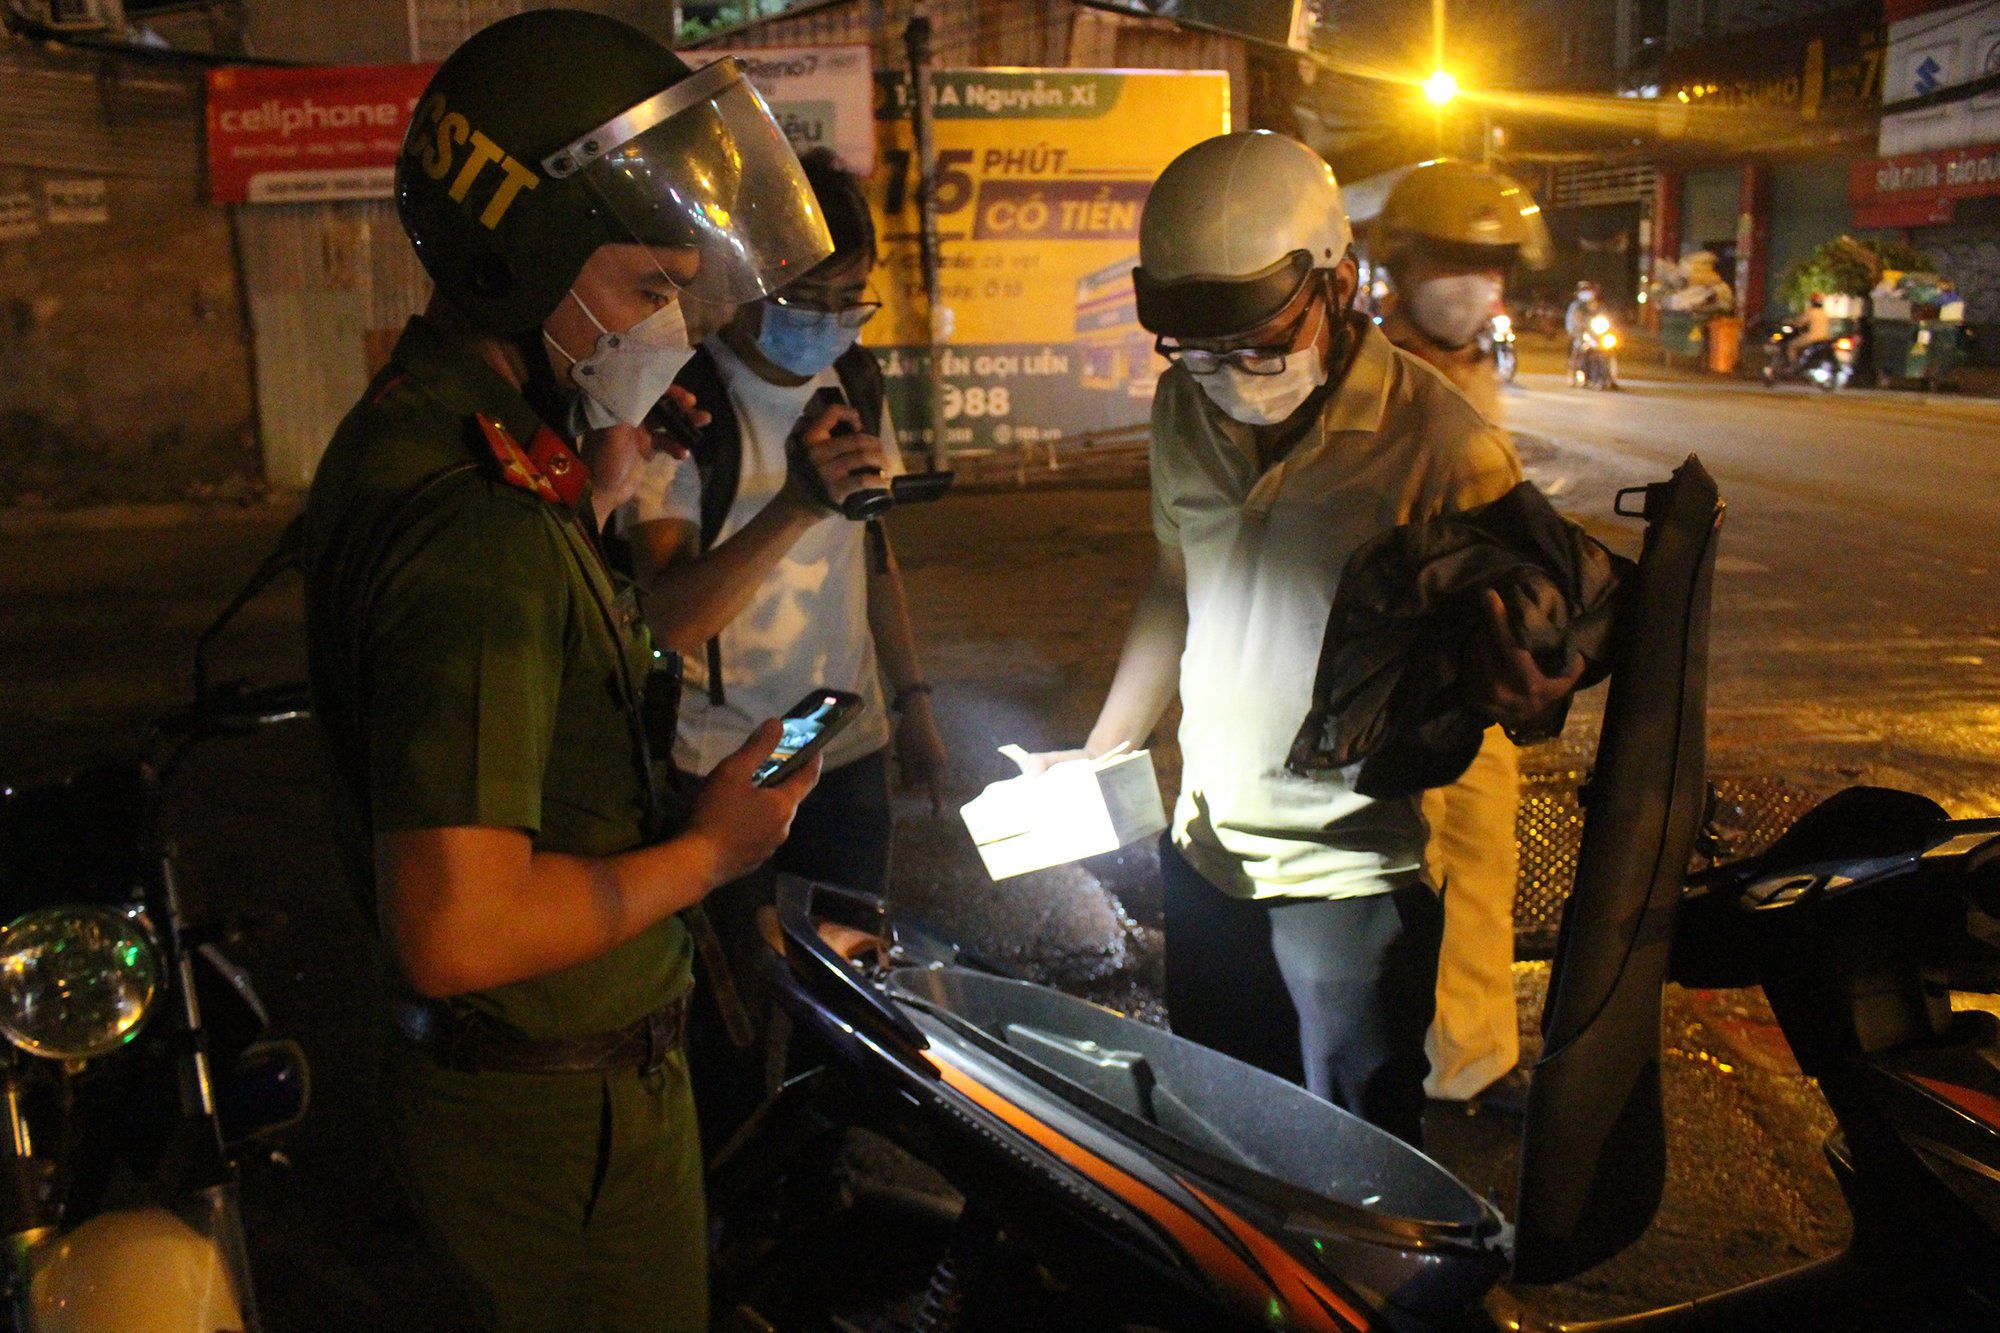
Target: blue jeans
[841, 832]
[1334, 993]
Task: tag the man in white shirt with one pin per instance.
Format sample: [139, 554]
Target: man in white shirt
[786, 596]
[1302, 934]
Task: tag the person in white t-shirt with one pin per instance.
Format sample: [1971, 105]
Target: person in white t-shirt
[786, 595]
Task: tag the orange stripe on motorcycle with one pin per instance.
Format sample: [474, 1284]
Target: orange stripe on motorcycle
[1252, 1291]
[1981, 1106]
[1304, 1287]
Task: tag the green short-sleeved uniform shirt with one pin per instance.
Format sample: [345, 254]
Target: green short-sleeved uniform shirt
[472, 663]
[477, 669]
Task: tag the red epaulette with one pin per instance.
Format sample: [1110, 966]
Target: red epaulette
[547, 467]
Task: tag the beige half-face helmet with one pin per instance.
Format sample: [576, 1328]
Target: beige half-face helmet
[1462, 206]
[1231, 230]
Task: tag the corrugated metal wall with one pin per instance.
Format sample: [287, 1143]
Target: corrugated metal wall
[330, 286]
[95, 113]
[128, 371]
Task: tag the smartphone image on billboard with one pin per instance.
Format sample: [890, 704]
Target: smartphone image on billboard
[811, 723]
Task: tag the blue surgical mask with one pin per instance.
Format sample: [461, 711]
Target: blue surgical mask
[805, 342]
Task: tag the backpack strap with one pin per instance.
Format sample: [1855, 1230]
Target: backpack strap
[718, 454]
[718, 459]
[861, 380]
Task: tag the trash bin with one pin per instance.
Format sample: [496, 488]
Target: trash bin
[1725, 343]
[1680, 336]
[1905, 349]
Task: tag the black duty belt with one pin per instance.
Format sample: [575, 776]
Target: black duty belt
[469, 1042]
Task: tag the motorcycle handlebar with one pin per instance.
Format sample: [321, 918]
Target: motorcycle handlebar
[232, 709]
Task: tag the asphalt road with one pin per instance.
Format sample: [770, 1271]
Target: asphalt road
[1855, 641]
[1857, 613]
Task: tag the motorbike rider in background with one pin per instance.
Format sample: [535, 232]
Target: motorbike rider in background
[1817, 328]
[1576, 319]
[1450, 233]
[1301, 931]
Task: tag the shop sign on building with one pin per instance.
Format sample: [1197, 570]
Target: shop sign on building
[296, 135]
[293, 135]
[1041, 175]
[1816, 68]
[1917, 189]
[1930, 54]
[823, 96]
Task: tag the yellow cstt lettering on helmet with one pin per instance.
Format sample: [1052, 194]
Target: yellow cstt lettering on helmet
[433, 142]
[484, 152]
[519, 178]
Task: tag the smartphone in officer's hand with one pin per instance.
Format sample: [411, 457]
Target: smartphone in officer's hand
[811, 723]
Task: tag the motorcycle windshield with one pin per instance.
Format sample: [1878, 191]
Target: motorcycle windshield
[1593, 1161]
[1203, 1100]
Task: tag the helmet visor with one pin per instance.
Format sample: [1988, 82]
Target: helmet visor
[703, 164]
[1204, 306]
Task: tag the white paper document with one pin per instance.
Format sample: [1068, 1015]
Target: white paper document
[1076, 809]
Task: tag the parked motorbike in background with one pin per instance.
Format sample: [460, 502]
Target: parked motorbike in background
[1106, 1174]
[1593, 355]
[1829, 364]
[135, 1067]
[1498, 339]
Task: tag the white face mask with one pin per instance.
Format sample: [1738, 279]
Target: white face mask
[631, 371]
[1452, 310]
[1263, 400]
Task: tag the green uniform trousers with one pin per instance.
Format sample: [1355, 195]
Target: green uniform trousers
[564, 1201]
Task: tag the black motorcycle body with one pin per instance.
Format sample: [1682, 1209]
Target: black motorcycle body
[1156, 1183]
[136, 1063]
[1827, 364]
[1593, 354]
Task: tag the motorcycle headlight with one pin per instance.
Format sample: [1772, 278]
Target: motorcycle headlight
[75, 982]
[1610, 341]
[1600, 325]
[1502, 326]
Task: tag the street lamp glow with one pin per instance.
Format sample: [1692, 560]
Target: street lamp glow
[1440, 87]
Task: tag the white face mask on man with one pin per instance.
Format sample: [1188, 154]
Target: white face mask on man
[1451, 310]
[1264, 400]
[629, 372]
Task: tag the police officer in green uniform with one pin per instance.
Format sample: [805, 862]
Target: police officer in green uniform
[579, 196]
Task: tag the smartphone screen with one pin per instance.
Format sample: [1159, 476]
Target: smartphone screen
[810, 724]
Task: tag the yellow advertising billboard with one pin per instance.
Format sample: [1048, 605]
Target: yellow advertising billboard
[1041, 174]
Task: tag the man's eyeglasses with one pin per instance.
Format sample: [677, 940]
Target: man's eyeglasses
[1268, 360]
[849, 316]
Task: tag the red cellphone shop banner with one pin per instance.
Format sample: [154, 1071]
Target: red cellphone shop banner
[301, 135]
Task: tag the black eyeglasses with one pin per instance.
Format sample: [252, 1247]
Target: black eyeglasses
[1269, 360]
[851, 316]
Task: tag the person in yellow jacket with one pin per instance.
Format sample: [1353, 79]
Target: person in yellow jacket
[1449, 234]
